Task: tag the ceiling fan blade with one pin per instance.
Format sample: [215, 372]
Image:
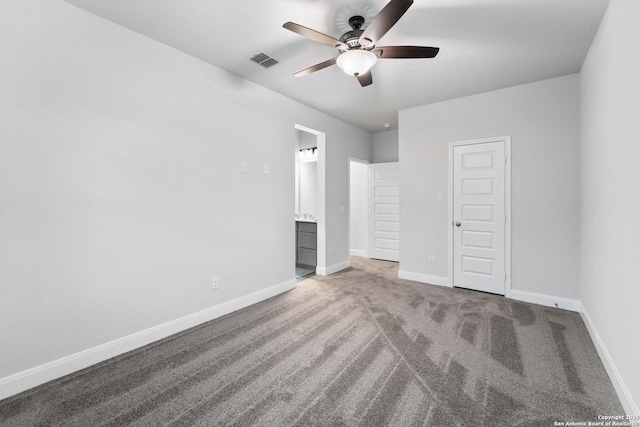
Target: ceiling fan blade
[406, 51]
[313, 34]
[320, 66]
[365, 79]
[387, 17]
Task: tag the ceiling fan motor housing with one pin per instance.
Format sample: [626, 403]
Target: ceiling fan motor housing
[356, 22]
[352, 38]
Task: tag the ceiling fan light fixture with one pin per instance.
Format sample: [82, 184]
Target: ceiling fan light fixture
[356, 62]
[357, 47]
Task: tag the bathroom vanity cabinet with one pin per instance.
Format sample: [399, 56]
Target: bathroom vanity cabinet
[306, 243]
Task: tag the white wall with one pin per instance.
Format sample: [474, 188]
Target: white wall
[121, 188]
[304, 140]
[358, 207]
[337, 196]
[306, 176]
[542, 119]
[308, 187]
[610, 205]
[385, 146]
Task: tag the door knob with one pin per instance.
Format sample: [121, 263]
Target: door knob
[457, 224]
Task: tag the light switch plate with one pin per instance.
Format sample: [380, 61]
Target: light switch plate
[245, 167]
[266, 169]
[440, 198]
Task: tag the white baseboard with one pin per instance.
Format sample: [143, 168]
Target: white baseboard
[325, 271]
[424, 278]
[358, 252]
[547, 300]
[38, 375]
[628, 403]
[542, 299]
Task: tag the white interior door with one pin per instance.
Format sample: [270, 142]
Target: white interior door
[479, 216]
[384, 211]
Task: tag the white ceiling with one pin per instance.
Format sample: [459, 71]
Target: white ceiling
[484, 45]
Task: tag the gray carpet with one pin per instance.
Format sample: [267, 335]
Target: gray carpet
[361, 347]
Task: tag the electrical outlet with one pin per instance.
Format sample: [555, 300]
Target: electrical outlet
[266, 169]
[440, 198]
[215, 283]
[341, 209]
[432, 259]
[245, 167]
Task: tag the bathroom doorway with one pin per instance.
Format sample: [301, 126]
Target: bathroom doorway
[309, 201]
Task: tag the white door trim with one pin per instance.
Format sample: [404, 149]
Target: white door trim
[507, 206]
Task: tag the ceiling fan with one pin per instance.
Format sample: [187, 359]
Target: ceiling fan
[358, 50]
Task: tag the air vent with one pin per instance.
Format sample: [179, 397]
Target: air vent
[263, 60]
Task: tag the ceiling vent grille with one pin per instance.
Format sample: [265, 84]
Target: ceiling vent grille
[263, 60]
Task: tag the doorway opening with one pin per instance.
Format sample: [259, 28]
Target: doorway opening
[309, 217]
[358, 207]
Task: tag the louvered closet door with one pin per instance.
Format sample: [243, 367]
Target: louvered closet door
[384, 211]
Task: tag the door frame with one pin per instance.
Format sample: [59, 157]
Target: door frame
[507, 206]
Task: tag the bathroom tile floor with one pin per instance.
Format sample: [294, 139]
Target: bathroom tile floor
[300, 272]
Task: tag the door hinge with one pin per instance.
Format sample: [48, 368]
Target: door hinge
[505, 160]
[505, 277]
[505, 219]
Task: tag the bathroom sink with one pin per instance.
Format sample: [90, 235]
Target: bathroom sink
[306, 218]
